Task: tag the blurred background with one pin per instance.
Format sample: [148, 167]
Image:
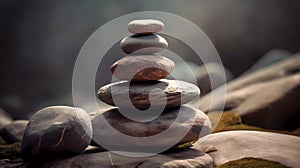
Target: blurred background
[40, 40]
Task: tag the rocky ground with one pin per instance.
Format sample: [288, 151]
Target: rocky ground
[259, 127]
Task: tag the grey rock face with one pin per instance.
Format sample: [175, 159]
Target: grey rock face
[55, 131]
[173, 93]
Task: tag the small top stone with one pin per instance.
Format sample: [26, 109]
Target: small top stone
[145, 26]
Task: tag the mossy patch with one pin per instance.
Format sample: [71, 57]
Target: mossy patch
[11, 152]
[250, 162]
[230, 121]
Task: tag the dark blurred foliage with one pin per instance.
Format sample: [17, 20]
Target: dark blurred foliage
[40, 39]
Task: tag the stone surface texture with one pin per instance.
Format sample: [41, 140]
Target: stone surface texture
[233, 145]
[143, 44]
[191, 125]
[54, 131]
[145, 26]
[171, 93]
[142, 68]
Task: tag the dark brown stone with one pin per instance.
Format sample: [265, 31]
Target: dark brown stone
[142, 68]
[146, 44]
[173, 92]
[55, 131]
[191, 125]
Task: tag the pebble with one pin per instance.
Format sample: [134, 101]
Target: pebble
[142, 68]
[143, 44]
[145, 26]
[56, 131]
[172, 93]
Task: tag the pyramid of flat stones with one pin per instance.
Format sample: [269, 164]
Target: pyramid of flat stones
[142, 85]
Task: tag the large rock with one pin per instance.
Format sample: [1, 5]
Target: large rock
[188, 158]
[171, 93]
[142, 68]
[55, 131]
[186, 122]
[277, 70]
[143, 44]
[5, 118]
[14, 131]
[274, 106]
[233, 145]
[271, 103]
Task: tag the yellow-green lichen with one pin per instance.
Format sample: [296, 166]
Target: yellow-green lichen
[186, 145]
[250, 162]
[11, 152]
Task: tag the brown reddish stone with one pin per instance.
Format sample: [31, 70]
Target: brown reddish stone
[142, 68]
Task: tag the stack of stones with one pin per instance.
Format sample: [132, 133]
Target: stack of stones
[141, 74]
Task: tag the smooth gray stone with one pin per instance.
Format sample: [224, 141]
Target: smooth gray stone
[269, 101]
[145, 26]
[56, 131]
[277, 70]
[194, 121]
[233, 145]
[143, 44]
[172, 92]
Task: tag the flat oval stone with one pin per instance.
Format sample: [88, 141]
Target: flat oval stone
[145, 26]
[194, 121]
[56, 131]
[142, 68]
[145, 44]
[172, 93]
